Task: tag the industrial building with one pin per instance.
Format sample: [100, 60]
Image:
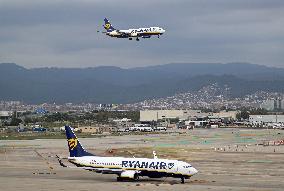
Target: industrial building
[261, 119]
[5, 114]
[155, 115]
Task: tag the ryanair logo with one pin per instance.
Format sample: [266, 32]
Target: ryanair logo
[150, 165]
[171, 165]
[72, 143]
[107, 25]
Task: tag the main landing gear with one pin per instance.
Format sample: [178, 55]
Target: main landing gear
[137, 39]
[182, 180]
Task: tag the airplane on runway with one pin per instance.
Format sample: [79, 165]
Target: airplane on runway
[132, 33]
[124, 168]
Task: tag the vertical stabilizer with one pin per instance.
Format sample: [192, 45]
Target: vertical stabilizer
[108, 26]
[74, 145]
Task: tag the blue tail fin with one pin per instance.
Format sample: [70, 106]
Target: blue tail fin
[108, 26]
[74, 145]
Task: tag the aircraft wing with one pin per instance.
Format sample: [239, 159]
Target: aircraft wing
[98, 170]
[145, 34]
[123, 33]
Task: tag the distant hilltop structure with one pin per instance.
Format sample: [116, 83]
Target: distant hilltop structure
[273, 105]
[104, 106]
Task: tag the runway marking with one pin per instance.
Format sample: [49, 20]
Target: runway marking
[44, 173]
[46, 161]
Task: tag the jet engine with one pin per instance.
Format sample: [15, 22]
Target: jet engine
[134, 34]
[129, 174]
[114, 33]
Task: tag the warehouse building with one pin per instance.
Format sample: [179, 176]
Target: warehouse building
[155, 115]
[5, 114]
[261, 119]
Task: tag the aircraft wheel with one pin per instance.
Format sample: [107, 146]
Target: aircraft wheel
[137, 39]
[119, 179]
[130, 38]
[136, 177]
[182, 180]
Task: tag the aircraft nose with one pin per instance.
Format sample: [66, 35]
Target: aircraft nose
[193, 171]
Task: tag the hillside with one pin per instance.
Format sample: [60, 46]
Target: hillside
[116, 85]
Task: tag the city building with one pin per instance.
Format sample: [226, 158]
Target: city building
[5, 115]
[261, 119]
[273, 105]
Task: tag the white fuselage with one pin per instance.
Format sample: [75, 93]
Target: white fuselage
[145, 166]
[140, 32]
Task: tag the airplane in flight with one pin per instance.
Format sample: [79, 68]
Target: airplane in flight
[132, 33]
[124, 168]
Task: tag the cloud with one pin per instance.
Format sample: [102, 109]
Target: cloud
[63, 33]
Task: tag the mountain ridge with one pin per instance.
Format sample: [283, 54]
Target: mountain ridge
[111, 84]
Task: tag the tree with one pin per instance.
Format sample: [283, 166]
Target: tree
[243, 115]
[15, 121]
[258, 111]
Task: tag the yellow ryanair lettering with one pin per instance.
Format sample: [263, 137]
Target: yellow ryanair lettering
[72, 143]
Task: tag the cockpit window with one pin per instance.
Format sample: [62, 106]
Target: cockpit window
[187, 166]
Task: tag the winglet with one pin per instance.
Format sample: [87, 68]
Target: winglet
[155, 155]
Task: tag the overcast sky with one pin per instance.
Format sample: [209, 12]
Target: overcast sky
[63, 33]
